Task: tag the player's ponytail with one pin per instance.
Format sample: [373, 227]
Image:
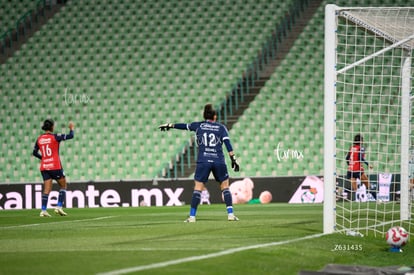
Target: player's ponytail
[209, 112]
[48, 125]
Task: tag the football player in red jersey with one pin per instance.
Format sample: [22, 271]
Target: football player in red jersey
[354, 159]
[50, 165]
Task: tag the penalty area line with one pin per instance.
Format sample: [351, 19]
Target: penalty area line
[206, 256]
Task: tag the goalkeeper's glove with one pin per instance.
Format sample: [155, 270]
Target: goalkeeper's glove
[166, 126]
[234, 165]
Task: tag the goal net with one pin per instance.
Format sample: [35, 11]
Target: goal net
[368, 119]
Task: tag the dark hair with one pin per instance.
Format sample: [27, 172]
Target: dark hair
[48, 125]
[209, 112]
[357, 139]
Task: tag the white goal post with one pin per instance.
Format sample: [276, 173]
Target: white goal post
[368, 92]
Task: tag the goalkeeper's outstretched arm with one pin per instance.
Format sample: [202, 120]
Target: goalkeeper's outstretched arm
[168, 126]
[185, 126]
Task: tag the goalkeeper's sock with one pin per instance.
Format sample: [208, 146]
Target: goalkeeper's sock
[195, 201]
[61, 198]
[228, 200]
[45, 198]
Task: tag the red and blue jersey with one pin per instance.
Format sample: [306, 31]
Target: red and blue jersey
[48, 145]
[355, 158]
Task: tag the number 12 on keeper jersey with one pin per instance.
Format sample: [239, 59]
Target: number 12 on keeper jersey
[210, 137]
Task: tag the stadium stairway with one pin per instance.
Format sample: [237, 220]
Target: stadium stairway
[264, 76]
[37, 18]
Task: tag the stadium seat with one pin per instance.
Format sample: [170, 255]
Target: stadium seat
[143, 63]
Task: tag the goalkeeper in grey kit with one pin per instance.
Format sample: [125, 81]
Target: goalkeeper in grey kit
[210, 136]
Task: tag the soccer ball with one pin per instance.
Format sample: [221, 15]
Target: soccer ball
[396, 236]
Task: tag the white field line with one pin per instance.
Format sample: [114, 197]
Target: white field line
[60, 222]
[206, 256]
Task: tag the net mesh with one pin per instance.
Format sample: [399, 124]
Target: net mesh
[393, 24]
[368, 103]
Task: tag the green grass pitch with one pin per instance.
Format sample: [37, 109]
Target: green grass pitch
[276, 238]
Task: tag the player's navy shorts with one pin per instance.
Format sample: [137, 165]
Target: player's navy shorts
[354, 174]
[204, 168]
[52, 174]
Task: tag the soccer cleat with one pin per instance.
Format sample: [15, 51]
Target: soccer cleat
[44, 213]
[59, 211]
[190, 219]
[231, 217]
